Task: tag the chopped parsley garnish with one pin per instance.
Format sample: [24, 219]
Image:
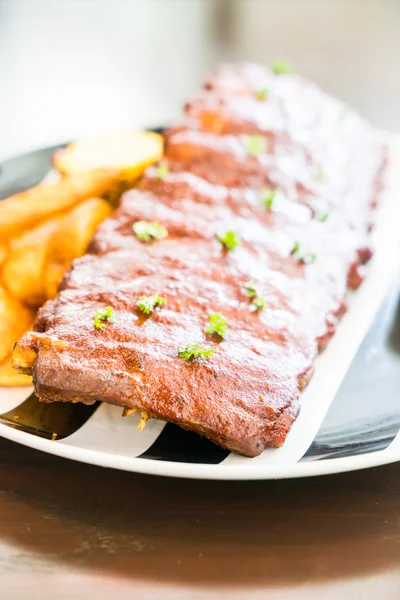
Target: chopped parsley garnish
[259, 302]
[251, 289]
[229, 239]
[162, 170]
[147, 304]
[262, 94]
[252, 292]
[218, 324]
[267, 197]
[254, 144]
[148, 232]
[282, 67]
[321, 216]
[195, 351]
[102, 315]
[303, 257]
[296, 247]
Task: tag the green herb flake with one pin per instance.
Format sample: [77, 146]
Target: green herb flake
[229, 239]
[148, 232]
[321, 216]
[254, 144]
[195, 351]
[162, 170]
[259, 302]
[320, 175]
[267, 198]
[102, 315]
[251, 289]
[296, 247]
[218, 324]
[147, 304]
[303, 257]
[282, 67]
[262, 94]
[252, 292]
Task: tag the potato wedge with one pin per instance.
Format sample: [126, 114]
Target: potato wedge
[22, 272]
[10, 378]
[15, 320]
[129, 153]
[3, 253]
[71, 239]
[28, 209]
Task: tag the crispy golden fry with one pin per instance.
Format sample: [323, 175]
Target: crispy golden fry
[129, 153]
[26, 210]
[22, 272]
[71, 239]
[3, 253]
[15, 320]
[10, 378]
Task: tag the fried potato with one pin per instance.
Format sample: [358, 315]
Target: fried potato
[3, 253]
[10, 378]
[28, 209]
[15, 320]
[71, 239]
[129, 153]
[22, 272]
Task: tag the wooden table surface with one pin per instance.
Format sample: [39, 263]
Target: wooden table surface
[69, 530]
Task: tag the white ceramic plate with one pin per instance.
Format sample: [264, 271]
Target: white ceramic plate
[353, 428]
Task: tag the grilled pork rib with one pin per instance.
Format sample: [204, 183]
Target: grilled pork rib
[294, 175]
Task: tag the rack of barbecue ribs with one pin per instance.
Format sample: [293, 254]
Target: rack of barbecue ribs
[206, 297]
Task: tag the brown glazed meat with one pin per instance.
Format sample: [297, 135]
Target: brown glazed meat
[248, 132]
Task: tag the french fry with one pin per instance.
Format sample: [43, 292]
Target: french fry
[10, 378]
[22, 272]
[129, 153]
[3, 253]
[71, 239]
[28, 209]
[15, 320]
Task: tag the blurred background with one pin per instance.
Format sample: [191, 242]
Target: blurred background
[73, 68]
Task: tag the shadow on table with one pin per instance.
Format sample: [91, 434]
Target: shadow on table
[198, 532]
